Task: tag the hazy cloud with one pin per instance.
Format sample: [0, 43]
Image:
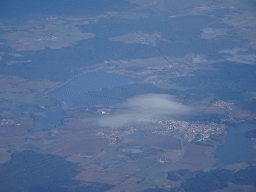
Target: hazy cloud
[233, 51]
[146, 106]
[246, 59]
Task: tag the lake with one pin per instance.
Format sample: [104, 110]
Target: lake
[19, 9]
[76, 93]
[237, 148]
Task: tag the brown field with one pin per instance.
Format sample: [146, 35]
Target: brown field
[102, 176]
[123, 182]
[196, 157]
[7, 83]
[78, 124]
[74, 144]
[15, 129]
[128, 184]
[193, 153]
[14, 138]
[5, 156]
[12, 143]
[160, 142]
[133, 168]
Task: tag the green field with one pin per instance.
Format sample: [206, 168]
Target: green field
[17, 100]
[169, 85]
[29, 37]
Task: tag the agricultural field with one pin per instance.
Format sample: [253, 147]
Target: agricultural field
[128, 95]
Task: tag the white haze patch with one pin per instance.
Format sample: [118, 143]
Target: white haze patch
[246, 59]
[146, 106]
[149, 78]
[199, 59]
[233, 51]
[210, 33]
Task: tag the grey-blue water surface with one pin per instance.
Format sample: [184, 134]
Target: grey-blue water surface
[237, 148]
[28, 8]
[76, 93]
[49, 120]
[26, 111]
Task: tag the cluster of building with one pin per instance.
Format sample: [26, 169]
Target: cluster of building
[53, 38]
[189, 131]
[115, 134]
[120, 134]
[7, 122]
[180, 129]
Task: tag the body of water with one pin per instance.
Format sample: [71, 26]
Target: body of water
[237, 148]
[26, 112]
[49, 120]
[76, 93]
[45, 120]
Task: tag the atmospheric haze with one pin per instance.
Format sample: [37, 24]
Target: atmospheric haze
[146, 106]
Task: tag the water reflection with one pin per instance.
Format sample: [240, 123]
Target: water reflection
[237, 148]
[76, 93]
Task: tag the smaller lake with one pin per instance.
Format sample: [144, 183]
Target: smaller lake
[26, 112]
[237, 148]
[131, 150]
[76, 93]
[49, 120]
